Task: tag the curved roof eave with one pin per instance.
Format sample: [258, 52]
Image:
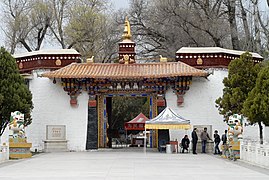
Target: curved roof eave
[125, 71]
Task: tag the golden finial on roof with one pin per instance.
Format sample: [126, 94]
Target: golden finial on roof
[127, 30]
[163, 59]
[90, 60]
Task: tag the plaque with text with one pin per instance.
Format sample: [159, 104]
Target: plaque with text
[56, 132]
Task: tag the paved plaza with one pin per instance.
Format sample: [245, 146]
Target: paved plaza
[128, 165]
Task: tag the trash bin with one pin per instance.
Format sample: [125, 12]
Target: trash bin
[168, 149]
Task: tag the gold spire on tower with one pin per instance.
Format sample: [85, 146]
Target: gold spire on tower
[127, 30]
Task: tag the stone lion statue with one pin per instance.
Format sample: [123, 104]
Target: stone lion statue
[16, 124]
[235, 128]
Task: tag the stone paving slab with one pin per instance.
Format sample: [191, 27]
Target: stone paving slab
[128, 165]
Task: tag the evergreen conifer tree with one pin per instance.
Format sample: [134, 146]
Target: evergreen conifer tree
[242, 75]
[14, 94]
[256, 106]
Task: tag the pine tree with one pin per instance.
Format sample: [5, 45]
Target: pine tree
[256, 105]
[242, 74]
[14, 94]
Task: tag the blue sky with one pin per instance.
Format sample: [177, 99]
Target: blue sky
[120, 3]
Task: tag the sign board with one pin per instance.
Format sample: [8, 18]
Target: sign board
[200, 128]
[56, 132]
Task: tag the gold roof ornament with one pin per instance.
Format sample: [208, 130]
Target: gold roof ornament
[163, 59]
[126, 58]
[90, 60]
[127, 30]
[199, 61]
[58, 62]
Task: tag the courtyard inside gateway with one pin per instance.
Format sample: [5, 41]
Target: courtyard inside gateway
[128, 164]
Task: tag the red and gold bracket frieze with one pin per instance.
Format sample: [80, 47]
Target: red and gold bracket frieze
[182, 84]
[74, 86]
[97, 86]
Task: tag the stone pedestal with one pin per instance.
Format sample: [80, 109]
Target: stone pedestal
[55, 139]
[19, 148]
[55, 145]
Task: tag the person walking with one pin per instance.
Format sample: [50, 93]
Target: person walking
[216, 141]
[204, 138]
[224, 138]
[194, 140]
[224, 142]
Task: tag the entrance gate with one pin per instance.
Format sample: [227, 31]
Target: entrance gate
[101, 138]
[101, 80]
[105, 80]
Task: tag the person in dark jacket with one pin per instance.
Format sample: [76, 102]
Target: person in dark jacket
[216, 141]
[185, 142]
[194, 140]
[224, 138]
[224, 142]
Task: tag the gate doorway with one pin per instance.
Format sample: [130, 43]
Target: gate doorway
[113, 120]
[121, 109]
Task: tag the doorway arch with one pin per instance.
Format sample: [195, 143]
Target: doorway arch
[102, 117]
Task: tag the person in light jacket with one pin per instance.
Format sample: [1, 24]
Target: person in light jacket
[204, 138]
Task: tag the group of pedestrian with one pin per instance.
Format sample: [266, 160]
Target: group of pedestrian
[205, 137]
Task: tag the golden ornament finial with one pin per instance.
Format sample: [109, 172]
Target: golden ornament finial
[163, 59]
[90, 60]
[199, 61]
[127, 30]
[126, 58]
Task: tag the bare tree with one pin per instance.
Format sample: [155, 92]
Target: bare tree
[158, 27]
[147, 30]
[265, 30]
[89, 30]
[248, 42]
[210, 16]
[85, 25]
[257, 34]
[231, 8]
[40, 20]
[165, 26]
[16, 22]
[27, 23]
[60, 18]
